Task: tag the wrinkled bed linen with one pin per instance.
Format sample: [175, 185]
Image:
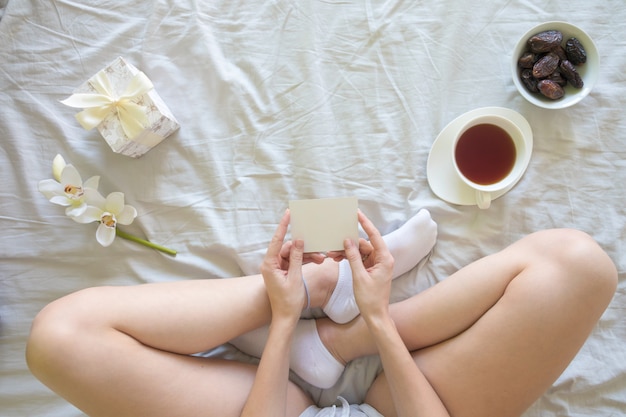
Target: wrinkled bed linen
[282, 100]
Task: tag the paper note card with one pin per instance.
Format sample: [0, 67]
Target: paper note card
[323, 224]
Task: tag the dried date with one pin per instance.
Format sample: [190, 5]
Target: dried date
[560, 51]
[529, 81]
[545, 41]
[558, 78]
[527, 60]
[569, 72]
[545, 66]
[550, 89]
[576, 54]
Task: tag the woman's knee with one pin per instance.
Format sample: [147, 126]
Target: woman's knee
[56, 334]
[582, 259]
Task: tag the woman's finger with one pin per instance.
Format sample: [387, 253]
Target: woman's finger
[285, 250]
[272, 260]
[315, 257]
[365, 248]
[276, 243]
[354, 258]
[295, 258]
[375, 238]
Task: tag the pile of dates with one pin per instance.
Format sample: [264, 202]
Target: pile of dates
[547, 66]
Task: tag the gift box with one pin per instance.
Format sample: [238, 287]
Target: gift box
[121, 102]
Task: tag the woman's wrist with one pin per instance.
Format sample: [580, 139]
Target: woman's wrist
[284, 322]
[380, 322]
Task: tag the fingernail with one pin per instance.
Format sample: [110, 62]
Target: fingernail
[299, 244]
[347, 243]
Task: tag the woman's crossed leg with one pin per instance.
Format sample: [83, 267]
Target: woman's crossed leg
[495, 335]
[490, 338]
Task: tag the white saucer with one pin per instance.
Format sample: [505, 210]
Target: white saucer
[442, 177]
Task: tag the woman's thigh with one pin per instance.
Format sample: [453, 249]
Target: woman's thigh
[160, 384]
[506, 359]
[124, 351]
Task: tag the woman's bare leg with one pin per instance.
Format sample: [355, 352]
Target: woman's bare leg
[494, 336]
[124, 351]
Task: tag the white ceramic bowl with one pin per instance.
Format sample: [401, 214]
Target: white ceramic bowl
[588, 71]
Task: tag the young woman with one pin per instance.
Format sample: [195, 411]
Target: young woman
[486, 341]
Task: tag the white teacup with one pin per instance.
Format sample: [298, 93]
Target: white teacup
[489, 154]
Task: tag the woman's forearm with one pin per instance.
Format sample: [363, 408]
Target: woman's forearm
[412, 394]
[268, 396]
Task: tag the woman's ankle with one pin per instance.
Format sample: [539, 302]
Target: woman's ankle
[321, 281]
[330, 335]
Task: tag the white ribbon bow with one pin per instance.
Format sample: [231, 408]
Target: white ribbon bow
[99, 105]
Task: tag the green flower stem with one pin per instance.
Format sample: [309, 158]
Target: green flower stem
[144, 242]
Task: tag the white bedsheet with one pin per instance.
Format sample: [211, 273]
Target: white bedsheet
[282, 100]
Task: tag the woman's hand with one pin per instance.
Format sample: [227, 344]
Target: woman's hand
[372, 268]
[314, 257]
[282, 273]
[411, 392]
[365, 249]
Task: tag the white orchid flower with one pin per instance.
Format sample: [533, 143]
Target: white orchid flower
[68, 189]
[84, 204]
[109, 212]
[58, 163]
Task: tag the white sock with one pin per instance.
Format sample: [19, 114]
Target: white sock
[341, 306]
[411, 242]
[309, 359]
[408, 245]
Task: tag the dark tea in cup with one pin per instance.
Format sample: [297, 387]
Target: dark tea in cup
[485, 154]
[489, 154]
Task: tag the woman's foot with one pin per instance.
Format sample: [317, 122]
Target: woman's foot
[408, 245]
[310, 359]
[321, 280]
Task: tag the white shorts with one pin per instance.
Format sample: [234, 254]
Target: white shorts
[344, 410]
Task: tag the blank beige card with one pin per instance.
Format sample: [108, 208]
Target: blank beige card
[323, 224]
